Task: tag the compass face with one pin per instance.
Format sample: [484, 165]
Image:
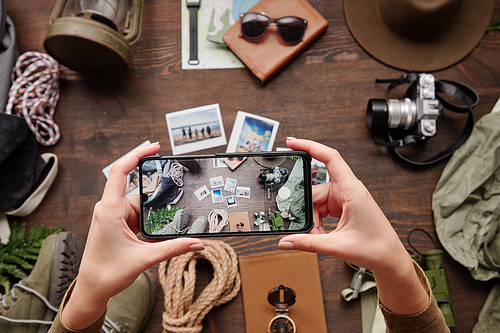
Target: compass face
[282, 325]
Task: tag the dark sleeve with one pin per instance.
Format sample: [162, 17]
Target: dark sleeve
[58, 326]
[429, 320]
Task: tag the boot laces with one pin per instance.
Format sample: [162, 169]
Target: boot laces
[108, 327]
[176, 173]
[19, 285]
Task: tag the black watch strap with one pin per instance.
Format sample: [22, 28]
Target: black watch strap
[193, 6]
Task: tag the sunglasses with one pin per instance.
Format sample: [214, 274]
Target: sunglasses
[290, 28]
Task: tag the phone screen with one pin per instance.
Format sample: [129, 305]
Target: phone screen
[222, 194]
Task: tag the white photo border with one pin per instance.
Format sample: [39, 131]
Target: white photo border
[238, 126]
[198, 145]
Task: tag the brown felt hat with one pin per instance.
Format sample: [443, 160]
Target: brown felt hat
[418, 35]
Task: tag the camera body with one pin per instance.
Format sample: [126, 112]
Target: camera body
[418, 115]
[272, 175]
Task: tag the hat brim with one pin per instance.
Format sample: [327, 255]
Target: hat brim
[269, 162]
[446, 49]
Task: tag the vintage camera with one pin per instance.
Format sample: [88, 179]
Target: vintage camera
[272, 175]
[418, 115]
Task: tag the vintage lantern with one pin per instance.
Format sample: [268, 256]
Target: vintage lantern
[95, 37]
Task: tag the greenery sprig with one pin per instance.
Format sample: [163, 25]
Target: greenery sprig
[494, 26]
[19, 255]
[158, 219]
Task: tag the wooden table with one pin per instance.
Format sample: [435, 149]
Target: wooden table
[321, 95]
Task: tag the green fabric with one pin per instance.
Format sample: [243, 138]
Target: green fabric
[466, 206]
[295, 203]
[489, 317]
[466, 201]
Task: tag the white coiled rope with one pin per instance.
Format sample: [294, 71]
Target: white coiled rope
[217, 220]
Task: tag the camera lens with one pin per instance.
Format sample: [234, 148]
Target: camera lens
[394, 113]
[377, 114]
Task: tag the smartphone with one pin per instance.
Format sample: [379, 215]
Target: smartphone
[226, 194]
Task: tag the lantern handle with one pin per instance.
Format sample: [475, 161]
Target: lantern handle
[134, 22]
[57, 11]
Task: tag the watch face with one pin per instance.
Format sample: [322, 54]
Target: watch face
[282, 324]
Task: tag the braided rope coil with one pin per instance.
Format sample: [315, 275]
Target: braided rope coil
[34, 95]
[178, 282]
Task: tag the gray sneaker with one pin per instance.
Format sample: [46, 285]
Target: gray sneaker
[198, 226]
[32, 304]
[178, 224]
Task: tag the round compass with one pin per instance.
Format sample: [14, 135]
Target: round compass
[282, 324]
[281, 297]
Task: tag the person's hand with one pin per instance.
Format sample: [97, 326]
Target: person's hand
[114, 257]
[363, 235]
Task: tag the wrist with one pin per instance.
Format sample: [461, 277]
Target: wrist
[401, 289]
[83, 307]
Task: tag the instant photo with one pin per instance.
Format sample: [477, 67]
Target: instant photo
[268, 193]
[252, 133]
[195, 129]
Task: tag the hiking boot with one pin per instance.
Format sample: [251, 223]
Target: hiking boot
[32, 303]
[178, 224]
[130, 310]
[198, 226]
[169, 191]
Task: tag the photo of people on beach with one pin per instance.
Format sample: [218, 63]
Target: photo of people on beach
[195, 129]
[252, 133]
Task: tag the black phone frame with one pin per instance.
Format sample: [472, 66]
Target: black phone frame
[306, 158]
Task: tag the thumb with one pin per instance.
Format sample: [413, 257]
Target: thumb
[318, 243]
[165, 250]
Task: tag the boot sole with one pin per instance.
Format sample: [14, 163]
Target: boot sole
[65, 266]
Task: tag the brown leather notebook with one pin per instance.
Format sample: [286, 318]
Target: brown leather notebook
[268, 55]
[296, 270]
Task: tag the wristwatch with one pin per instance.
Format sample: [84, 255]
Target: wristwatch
[193, 6]
[281, 297]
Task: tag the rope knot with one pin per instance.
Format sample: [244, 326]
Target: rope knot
[178, 282]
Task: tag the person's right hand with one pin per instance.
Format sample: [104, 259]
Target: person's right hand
[363, 235]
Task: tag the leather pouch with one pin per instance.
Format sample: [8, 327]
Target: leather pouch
[270, 53]
[296, 270]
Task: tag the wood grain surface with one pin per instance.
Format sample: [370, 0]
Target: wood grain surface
[321, 95]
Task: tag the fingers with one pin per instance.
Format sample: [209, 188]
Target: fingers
[117, 181]
[324, 200]
[318, 223]
[337, 167]
[164, 250]
[133, 219]
[307, 242]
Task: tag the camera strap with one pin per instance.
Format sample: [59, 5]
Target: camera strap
[455, 90]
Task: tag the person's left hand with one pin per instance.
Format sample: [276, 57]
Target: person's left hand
[114, 257]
